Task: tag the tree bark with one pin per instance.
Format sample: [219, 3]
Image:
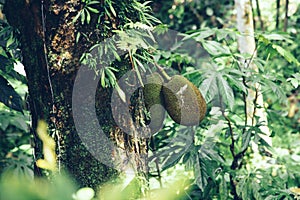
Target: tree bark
[51, 59]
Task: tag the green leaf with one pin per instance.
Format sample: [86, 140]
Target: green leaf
[139, 64]
[215, 48]
[20, 122]
[208, 150]
[102, 79]
[209, 87]
[200, 171]
[118, 58]
[112, 9]
[9, 96]
[286, 54]
[226, 91]
[111, 76]
[10, 41]
[121, 93]
[275, 36]
[82, 17]
[77, 16]
[88, 16]
[4, 121]
[246, 137]
[223, 189]
[238, 84]
[276, 89]
[295, 81]
[199, 35]
[94, 10]
[77, 37]
[93, 2]
[138, 71]
[176, 154]
[224, 33]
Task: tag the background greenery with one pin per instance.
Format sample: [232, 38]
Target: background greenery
[207, 168]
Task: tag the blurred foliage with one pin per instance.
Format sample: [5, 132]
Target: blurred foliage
[16, 188]
[185, 15]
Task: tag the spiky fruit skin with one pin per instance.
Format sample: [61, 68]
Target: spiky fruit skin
[183, 101]
[154, 101]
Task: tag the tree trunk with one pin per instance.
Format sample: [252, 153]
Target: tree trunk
[51, 60]
[246, 44]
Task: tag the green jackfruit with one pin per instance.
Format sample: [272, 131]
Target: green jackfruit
[183, 101]
[154, 101]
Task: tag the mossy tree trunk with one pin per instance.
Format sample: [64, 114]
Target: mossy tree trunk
[51, 60]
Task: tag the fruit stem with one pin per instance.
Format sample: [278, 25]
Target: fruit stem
[162, 72]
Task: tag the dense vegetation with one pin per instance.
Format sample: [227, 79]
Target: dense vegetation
[232, 154]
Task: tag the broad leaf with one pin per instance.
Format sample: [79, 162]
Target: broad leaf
[246, 137]
[9, 96]
[201, 174]
[199, 35]
[209, 87]
[176, 154]
[225, 91]
[286, 54]
[276, 89]
[238, 83]
[215, 48]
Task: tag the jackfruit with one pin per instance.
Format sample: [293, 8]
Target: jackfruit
[154, 101]
[183, 101]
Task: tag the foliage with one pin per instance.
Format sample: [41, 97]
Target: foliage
[13, 187]
[220, 156]
[16, 151]
[190, 15]
[8, 56]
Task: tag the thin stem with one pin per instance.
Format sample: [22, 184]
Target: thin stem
[232, 145]
[162, 72]
[277, 13]
[252, 57]
[245, 103]
[255, 107]
[156, 162]
[253, 18]
[259, 16]
[286, 15]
